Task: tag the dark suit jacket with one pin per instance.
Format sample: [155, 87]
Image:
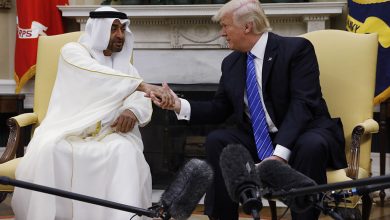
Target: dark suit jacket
[291, 91]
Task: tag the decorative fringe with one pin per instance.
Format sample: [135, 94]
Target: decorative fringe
[26, 76]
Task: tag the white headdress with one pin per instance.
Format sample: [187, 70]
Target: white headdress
[97, 36]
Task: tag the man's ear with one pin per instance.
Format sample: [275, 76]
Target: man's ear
[248, 27]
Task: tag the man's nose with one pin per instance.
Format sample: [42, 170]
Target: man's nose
[222, 33]
[120, 33]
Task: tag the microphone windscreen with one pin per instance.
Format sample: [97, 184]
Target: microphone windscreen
[185, 192]
[280, 176]
[238, 170]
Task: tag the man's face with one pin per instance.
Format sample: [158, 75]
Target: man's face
[117, 37]
[233, 33]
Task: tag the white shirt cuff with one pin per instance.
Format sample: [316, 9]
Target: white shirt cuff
[282, 152]
[185, 110]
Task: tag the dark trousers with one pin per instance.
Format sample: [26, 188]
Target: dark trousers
[309, 156]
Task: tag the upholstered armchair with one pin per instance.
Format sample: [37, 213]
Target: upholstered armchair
[347, 63]
[46, 70]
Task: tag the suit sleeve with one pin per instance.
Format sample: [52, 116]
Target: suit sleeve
[305, 94]
[215, 111]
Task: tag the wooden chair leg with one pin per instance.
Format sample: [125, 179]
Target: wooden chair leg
[272, 206]
[366, 206]
[383, 144]
[3, 196]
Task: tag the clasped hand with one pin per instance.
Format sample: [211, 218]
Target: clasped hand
[162, 96]
[175, 105]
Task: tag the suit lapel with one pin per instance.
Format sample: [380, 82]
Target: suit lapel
[238, 83]
[242, 75]
[269, 57]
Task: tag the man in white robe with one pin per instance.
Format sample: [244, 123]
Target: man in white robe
[89, 141]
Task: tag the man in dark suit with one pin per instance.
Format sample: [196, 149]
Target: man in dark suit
[286, 74]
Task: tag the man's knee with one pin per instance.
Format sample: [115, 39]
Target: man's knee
[310, 156]
[216, 141]
[311, 145]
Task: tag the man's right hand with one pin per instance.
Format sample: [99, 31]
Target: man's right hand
[177, 103]
[161, 96]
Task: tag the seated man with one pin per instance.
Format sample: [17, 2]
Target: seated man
[89, 141]
[270, 88]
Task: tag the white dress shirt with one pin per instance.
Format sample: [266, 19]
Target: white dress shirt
[258, 50]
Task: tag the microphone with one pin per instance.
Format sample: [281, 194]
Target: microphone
[241, 179]
[280, 176]
[183, 194]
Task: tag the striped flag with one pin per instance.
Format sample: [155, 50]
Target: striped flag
[373, 16]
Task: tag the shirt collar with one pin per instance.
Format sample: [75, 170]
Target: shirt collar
[259, 49]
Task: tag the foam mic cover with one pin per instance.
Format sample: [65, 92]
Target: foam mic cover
[184, 193]
[278, 175]
[241, 178]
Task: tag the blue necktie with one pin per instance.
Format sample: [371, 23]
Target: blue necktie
[259, 123]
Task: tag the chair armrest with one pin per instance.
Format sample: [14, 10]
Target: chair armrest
[369, 126]
[25, 119]
[15, 124]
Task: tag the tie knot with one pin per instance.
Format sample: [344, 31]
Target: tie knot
[251, 56]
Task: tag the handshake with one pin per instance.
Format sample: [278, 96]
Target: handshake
[162, 96]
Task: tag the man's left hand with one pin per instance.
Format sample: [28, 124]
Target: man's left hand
[125, 122]
[274, 157]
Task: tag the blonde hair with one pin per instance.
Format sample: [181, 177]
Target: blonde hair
[245, 11]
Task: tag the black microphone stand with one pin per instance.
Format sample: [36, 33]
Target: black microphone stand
[153, 212]
[330, 187]
[365, 185]
[338, 195]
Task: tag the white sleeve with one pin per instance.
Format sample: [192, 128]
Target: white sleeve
[138, 103]
[140, 106]
[282, 152]
[185, 110]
